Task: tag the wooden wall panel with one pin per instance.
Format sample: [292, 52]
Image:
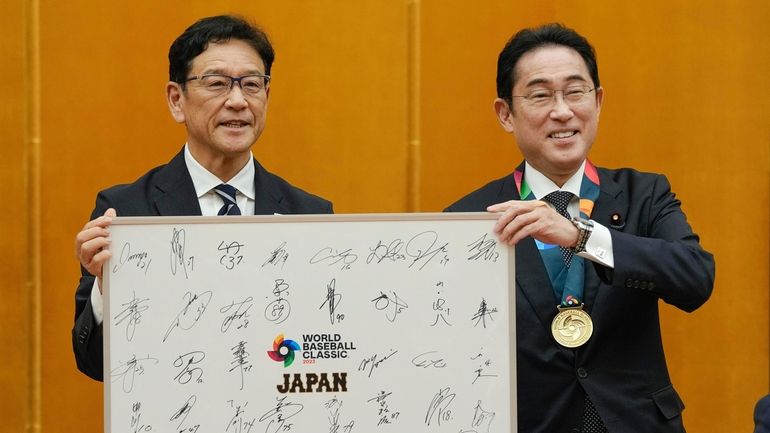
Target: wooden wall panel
[682, 97]
[336, 127]
[15, 259]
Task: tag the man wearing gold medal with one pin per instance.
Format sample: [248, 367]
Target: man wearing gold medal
[595, 250]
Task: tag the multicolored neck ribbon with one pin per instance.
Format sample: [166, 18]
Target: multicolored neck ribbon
[567, 282]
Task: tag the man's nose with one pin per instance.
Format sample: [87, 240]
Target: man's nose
[235, 97]
[560, 110]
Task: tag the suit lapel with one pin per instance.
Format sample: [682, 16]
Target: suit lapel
[174, 193]
[269, 199]
[610, 202]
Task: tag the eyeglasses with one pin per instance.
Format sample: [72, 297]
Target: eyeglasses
[219, 84]
[541, 98]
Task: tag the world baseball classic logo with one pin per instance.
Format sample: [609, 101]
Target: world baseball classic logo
[283, 350]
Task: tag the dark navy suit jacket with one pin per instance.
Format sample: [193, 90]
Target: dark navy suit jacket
[168, 191]
[762, 415]
[622, 367]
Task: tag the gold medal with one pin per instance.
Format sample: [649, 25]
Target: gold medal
[572, 327]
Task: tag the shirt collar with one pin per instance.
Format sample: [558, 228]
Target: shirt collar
[541, 186]
[204, 181]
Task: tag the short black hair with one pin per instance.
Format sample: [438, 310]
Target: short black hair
[527, 40]
[221, 28]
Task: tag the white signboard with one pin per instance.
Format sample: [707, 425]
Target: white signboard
[334, 323]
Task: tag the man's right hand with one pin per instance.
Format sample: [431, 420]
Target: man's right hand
[92, 242]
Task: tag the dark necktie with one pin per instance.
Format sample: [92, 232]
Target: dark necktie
[592, 422]
[560, 200]
[227, 193]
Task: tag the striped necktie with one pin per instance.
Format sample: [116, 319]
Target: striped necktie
[227, 193]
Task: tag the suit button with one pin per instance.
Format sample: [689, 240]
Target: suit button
[582, 373]
[629, 282]
[643, 284]
[651, 285]
[636, 284]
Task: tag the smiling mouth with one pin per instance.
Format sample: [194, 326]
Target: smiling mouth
[235, 124]
[563, 134]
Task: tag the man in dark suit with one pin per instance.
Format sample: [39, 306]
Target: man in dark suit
[219, 86]
[762, 415]
[595, 251]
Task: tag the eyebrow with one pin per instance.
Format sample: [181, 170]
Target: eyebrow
[219, 71]
[571, 78]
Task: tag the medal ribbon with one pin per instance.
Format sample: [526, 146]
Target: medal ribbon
[567, 282]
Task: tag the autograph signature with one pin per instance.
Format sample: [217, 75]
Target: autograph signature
[483, 249]
[141, 259]
[422, 248]
[332, 301]
[277, 417]
[194, 307]
[127, 371]
[383, 301]
[333, 257]
[238, 311]
[374, 361]
[438, 409]
[279, 255]
[178, 258]
[132, 312]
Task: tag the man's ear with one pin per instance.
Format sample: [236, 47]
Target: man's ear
[175, 100]
[504, 114]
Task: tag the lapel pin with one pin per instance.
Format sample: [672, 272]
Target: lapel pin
[616, 221]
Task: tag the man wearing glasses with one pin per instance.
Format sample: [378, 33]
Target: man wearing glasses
[595, 251]
[219, 85]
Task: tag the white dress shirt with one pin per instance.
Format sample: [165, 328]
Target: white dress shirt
[204, 182]
[599, 245]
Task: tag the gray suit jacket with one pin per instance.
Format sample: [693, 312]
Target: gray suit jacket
[168, 191]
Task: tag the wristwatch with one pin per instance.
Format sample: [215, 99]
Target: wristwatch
[585, 227]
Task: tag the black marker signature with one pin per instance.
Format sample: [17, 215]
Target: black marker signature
[238, 311]
[383, 301]
[190, 314]
[240, 359]
[480, 417]
[374, 361]
[184, 411]
[142, 262]
[438, 409]
[391, 252]
[423, 360]
[237, 422]
[232, 257]
[129, 370]
[136, 419]
[332, 301]
[334, 406]
[384, 412]
[483, 312]
[422, 248]
[332, 256]
[279, 310]
[132, 311]
[177, 252]
[484, 249]
[279, 255]
[189, 365]
[277, 416]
